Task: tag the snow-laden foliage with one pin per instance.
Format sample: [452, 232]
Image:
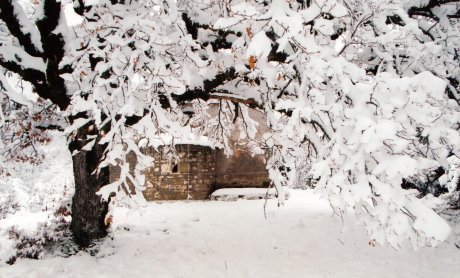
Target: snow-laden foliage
[24, 130]
[24, 117]
[365, 95]
[130, 59]
[132, 65]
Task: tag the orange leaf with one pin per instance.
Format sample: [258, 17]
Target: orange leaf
[108, 220]
[279, 76]
[252, 62]
[249, 32]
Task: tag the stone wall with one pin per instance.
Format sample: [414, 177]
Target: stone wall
[191, 177]
[240, 170]
[198, 172]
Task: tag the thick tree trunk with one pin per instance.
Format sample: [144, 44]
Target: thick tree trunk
[88, 209]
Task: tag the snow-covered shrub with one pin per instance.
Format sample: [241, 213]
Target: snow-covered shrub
[32, 244]
[35, 202]
[8, 205]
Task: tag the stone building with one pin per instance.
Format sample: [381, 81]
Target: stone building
[200, 171]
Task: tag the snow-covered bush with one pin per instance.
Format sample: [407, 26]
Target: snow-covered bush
[35, 201]
[22, 243]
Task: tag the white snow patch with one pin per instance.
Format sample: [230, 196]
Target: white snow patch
[239, 239]
[228, 194]
[72, 18]
[259, 47]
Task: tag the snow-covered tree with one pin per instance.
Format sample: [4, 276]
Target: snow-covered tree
[360, 96]
[128, 70]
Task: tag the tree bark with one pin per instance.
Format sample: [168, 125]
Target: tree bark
[88, 209]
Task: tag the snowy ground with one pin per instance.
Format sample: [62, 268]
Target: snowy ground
[233, 239]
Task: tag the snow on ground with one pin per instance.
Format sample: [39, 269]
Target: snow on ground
[232, 194]
[234, 239]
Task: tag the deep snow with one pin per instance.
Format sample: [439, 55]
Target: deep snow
[234, 239]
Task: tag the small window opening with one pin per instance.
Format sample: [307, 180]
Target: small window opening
[175, 168]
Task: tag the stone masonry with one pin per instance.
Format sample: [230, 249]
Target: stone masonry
[198, 172]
